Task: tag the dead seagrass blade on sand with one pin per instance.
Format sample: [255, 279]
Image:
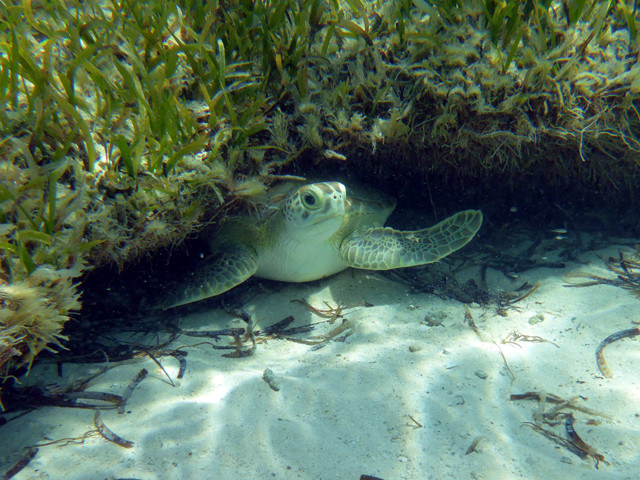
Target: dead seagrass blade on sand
[317, 230]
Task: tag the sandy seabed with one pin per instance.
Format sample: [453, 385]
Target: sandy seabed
[405, 396]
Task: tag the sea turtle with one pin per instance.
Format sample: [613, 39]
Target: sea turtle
[316, 230]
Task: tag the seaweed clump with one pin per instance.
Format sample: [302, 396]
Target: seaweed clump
[32, 314]
[41, 243]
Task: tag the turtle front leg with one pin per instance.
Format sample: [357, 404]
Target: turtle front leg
[384, 248]
[231, 268]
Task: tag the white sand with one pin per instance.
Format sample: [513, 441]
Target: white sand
[343, 410]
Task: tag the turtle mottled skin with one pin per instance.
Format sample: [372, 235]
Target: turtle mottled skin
[316, 230]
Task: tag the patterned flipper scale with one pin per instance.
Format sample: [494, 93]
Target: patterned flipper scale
[231, 268]
[384, 248]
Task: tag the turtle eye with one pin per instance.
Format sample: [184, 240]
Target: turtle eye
[310, 200]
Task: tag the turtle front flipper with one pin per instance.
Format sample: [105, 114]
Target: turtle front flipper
[384, 248]
[231, 268]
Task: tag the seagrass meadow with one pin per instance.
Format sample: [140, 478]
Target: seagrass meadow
[127, 127]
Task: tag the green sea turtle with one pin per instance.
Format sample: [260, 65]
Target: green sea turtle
[315, 230]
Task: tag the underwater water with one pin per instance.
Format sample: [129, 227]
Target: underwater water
[428, 372]
[233, 327]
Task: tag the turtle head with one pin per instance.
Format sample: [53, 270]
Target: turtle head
[315, 211]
